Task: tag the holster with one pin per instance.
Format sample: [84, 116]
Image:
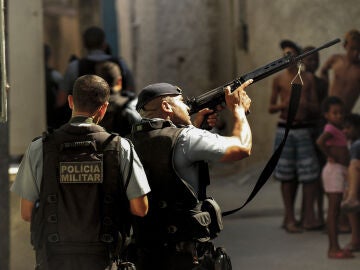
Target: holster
[199, 227]
[216, 225]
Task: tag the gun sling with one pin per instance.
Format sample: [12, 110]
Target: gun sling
[271, 164]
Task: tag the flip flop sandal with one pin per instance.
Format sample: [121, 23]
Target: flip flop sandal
[341, 254]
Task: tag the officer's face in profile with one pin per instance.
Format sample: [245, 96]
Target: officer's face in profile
[180, 111]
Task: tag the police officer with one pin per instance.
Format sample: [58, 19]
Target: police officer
[94, 41]
[175, 233]
[78, 184]
[121, 113]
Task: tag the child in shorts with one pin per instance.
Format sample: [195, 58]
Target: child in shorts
[333, 143]
[351, 204]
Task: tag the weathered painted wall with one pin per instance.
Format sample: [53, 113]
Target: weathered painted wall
[187, 43]
[26, 73]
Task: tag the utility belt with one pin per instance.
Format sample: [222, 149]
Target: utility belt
[188, 235]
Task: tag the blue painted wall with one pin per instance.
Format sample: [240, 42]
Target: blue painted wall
[109, 20]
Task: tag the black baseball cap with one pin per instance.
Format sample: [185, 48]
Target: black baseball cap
[288, 43]
[156, 90]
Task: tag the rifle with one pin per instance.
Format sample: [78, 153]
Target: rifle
[216, 96]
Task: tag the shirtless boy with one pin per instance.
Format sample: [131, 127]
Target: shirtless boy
[302, 167]
[346, 71]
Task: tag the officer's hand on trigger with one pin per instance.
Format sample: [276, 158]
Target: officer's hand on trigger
[211, 115]
[238, 98]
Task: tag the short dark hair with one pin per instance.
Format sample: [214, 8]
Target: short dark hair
[94, 38]
[329, 101]
[90, 92]
[291, 44]
[352, 35]
[109, 71]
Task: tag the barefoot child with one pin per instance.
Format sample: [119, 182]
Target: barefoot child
[334, 145]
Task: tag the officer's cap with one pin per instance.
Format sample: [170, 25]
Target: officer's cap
[291, 44]
[156, 90]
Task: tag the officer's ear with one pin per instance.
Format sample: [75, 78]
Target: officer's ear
[99, 115]
[103, 108]
[166, 106]
[71, 102]
[119, 83]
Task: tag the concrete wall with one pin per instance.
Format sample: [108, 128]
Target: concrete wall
[26, 73]
[181, 42]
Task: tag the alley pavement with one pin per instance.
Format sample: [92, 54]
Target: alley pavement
[253, 237]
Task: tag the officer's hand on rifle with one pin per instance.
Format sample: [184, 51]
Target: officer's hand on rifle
[207, 114]
[238, 98]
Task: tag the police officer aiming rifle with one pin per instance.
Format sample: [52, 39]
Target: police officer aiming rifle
[78, 184]
[181, 221]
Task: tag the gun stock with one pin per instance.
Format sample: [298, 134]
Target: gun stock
[216, 96]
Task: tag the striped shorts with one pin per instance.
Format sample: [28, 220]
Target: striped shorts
[298, 159]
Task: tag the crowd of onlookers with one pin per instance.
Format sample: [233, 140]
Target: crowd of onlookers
[322, 151]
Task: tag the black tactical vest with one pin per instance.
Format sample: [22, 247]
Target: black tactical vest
[173, 206]
[76, 221]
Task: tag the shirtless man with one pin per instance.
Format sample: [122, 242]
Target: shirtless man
[346, 71]
[293, 168]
